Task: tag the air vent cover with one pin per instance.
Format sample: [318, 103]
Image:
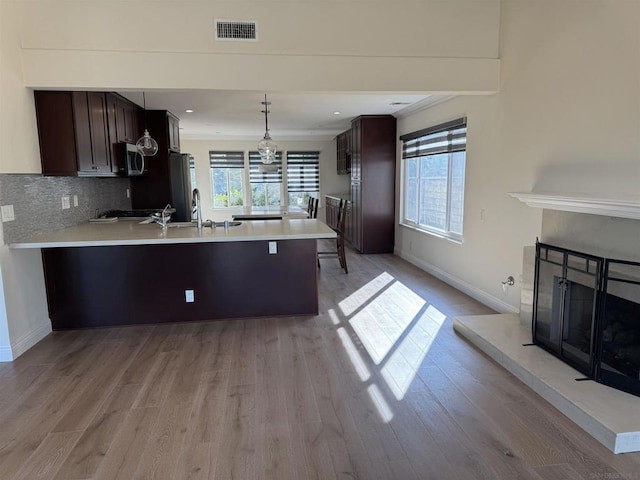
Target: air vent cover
[236, 31]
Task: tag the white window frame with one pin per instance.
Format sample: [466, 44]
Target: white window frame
[305, 157]
[445, 233]
[233, 165]
[268, 185]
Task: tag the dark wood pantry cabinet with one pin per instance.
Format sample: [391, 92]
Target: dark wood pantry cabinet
[371, 220]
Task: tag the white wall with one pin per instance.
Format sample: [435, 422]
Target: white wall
[330, 181]
[567, 118]
[24, 318]
[422, 28]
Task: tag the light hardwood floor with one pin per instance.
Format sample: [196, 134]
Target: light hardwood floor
[377, 386]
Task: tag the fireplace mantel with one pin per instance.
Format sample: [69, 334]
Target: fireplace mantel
[624, 206]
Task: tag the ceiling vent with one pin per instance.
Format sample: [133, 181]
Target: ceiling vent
[236, 31]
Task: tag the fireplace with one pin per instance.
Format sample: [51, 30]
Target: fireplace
[586, 312]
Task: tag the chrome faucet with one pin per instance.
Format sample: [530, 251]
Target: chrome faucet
[195, 202]
[163, 218]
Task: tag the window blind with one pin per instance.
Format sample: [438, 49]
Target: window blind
[303, 171]
[223, 159]
[256, 176]
[448, 137]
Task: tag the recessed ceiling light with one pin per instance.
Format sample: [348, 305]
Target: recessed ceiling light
[188, 110]
[336, 113]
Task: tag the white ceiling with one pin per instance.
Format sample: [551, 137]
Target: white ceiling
[232, 114]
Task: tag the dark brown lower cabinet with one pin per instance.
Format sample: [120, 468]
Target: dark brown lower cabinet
[145, 284]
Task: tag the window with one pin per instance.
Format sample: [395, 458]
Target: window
[303, 176]
[434, 165]
[192, 171]
[227, 170]
[266, 186]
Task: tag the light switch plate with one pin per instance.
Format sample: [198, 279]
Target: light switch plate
[66, 203]
[7, 213]
[75, 200]
[273, 248]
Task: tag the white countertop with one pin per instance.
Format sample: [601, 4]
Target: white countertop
[133, 233]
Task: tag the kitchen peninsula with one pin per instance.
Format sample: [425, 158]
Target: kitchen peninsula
[125, 273]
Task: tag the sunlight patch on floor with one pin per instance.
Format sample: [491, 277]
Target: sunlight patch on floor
[401, 367]
[396, 327]
[356, 359]
[364, 294]
[333, 316]
[383, 320]
[380, 403]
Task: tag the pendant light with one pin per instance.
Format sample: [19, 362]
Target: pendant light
[267, 147]
[146, 145]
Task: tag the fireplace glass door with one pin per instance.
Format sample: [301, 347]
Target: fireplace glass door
[566, 301]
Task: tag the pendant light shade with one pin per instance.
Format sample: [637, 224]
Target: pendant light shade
[146, 145]
[267, 147]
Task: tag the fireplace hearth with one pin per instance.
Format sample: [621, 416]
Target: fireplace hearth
[587, 313]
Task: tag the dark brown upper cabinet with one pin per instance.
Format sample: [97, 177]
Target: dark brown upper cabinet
[125, 125]
[79, 132]
[73, 132]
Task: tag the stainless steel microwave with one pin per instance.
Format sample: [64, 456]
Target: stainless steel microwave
[132, 160]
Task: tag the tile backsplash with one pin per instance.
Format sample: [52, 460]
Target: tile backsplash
[37, 201]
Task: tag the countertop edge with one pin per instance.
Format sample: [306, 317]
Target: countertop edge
[168, 241]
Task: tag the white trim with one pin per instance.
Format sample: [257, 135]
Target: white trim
[6, 354]
[623, 206]
[28, 340]
[483, 297]
[428, 102]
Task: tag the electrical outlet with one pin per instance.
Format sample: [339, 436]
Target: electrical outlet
[75, 200]
[483, 214]
[66, 202]
[7, 213]
[189, 296]
[273, 248]
[128, 193]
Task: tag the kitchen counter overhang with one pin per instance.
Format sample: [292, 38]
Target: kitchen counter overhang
[132, 233]
[123, 273]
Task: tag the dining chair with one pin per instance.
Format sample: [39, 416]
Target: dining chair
[339, 229]
[312, 207]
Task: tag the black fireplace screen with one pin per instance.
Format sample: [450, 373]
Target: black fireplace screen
[619, 328]
[565, 305]
[587, 313]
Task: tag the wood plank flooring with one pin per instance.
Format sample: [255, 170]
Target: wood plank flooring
[377, 386]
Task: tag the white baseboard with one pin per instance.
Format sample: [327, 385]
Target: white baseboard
[28, 340]
[490, 301]
[6, 354]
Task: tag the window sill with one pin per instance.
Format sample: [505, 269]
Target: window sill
[433, 233]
